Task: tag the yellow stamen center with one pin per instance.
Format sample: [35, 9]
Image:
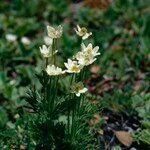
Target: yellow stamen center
[74, 69]
[83, 30]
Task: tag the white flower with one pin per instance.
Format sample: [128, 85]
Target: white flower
[17, 116]
[72, 66]
[85, 59]
[90, 50]
[54, 32]
[81, 91]
[25, 40]
[83, 32]
[53, 70]
[78, 89]
[87, 54]
[48, 40]
[12, 82]
[11, 37]
[47, 51]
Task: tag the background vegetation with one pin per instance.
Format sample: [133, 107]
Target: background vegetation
[120, 79]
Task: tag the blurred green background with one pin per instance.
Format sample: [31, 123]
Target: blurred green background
[121, 28]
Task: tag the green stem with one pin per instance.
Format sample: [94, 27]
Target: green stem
[84, 73]
[73, 124]
[72, 79]
[68, 118]
[49, 94]
[70, 97]
[52, 91]
[57, 81]
[46, 62]
[54, 47]
[45, 83]
[45, 87]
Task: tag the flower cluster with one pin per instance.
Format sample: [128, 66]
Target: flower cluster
[85, 57]
[53, 33]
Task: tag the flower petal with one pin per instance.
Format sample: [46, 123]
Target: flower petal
[78, 94]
